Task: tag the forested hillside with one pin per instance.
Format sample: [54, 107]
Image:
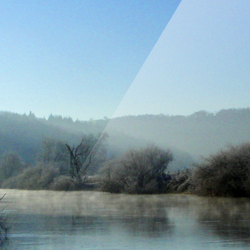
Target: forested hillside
[201, 133]
[23, 134]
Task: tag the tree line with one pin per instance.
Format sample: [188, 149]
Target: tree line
[61, 166]
[58, 166]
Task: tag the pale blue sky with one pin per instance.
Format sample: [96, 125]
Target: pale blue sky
[79, 58]
[75, 58]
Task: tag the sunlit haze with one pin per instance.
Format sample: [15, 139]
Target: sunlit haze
[200, 62]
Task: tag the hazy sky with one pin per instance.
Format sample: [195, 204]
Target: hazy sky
[200, 62]
[82, 58]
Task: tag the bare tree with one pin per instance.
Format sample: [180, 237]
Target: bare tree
[3, 227]
[53, 152]
[84, 155]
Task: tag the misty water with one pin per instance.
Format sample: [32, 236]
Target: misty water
[94, 220]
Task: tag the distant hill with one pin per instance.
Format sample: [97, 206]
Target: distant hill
[23, 134]
[188, 137]
[201, 133]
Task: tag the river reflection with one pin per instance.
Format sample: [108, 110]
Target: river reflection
[93, 220]
[227, 218]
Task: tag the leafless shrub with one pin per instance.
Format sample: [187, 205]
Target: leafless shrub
[62, 183]
[179, 182]
[225, 173]
[137, 171]
[33, 178]
[112, 177]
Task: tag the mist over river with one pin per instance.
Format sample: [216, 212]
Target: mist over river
[95, 220]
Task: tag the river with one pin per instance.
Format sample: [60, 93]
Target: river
[94, 220]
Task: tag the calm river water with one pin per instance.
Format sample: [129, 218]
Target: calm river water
[93, 220]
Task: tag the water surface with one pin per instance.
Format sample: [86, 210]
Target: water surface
[93, 220]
